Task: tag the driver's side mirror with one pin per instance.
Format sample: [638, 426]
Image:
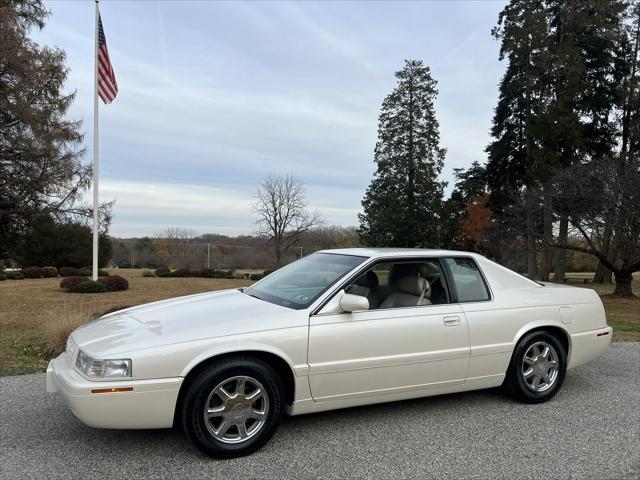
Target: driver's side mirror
[352, 303]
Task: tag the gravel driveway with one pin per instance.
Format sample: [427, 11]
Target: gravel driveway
[590, 430]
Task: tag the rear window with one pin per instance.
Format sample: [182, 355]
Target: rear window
[468, 280]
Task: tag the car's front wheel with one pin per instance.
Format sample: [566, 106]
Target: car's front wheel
[232, 407]
[537, 368]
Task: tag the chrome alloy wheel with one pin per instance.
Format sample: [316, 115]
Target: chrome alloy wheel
[540, 367]
[236, 409]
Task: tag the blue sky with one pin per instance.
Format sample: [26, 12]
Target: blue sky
[215, 95]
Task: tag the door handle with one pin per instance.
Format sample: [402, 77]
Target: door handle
[451, 321]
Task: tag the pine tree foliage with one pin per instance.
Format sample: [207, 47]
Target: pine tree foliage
[403, 204]
[516, 148]
[40, 149]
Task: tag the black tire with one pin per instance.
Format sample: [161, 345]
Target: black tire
[515, 383]
[197, 395]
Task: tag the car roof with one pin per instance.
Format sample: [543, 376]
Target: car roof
[397, 252]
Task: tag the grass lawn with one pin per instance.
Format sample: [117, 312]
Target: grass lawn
[28, 306]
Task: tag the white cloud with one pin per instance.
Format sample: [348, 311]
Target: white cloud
[146, 208]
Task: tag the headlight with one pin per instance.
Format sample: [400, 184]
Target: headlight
[120, 368]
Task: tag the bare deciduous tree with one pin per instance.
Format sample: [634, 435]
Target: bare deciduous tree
[281, 208]
[605, 196]
[179, 245]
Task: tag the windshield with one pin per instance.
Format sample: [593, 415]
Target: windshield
[300, 283]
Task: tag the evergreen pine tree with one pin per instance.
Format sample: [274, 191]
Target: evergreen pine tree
[41, 173]
[515, 154]
[403, 204]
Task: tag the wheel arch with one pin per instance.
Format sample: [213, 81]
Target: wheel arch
[277, 360]
[554, 328]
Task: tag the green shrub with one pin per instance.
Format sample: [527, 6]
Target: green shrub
[69, 283]
[49, 272]
[115, 283]
[182, 272]
[222, 274]
[267, 272]
[148, 273]
[90, 287]
[255, 276]
[32, 272]
[206, 273]
[162, 269]
[14, 275]
[2, 277]
[67, 271]
[195, 273]
[165, 274]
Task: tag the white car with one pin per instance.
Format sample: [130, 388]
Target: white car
[335, 329]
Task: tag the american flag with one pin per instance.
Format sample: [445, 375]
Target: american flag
[107, 86]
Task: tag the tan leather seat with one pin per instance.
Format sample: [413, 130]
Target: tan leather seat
[365, 286]
[412, 291]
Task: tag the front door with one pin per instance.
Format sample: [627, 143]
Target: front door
[390, 348]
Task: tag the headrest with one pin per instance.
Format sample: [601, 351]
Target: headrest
[415, 286]
[423, 269]
[369, 279]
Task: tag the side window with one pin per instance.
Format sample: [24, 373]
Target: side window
[468, 280]
[402, 284]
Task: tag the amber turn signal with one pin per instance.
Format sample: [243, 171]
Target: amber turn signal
[112, 390]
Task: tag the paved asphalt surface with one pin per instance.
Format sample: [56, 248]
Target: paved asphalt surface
[590, 430]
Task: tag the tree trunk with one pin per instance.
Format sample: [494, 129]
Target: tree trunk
[623, 284]
[278, 253]
[532, 267]
[561, 255]
[547, 253]
[603, 274]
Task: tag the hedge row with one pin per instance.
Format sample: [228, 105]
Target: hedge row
[80, 284]
[13, 275]
[187, 272]
[49, 272]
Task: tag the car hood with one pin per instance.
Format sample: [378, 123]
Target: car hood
[182, 319]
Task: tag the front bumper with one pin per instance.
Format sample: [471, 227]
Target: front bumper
[150, 403]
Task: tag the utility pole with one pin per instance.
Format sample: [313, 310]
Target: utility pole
[208, 255]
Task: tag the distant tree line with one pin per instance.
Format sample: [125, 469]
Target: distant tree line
[563, 168]
[182, 248]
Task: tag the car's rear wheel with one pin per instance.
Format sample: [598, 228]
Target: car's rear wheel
[232, 407]
[537, 368]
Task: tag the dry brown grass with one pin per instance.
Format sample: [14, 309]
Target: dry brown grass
[61, 321]
[36, 315]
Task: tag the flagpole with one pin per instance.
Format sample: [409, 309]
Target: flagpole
[96, 219]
